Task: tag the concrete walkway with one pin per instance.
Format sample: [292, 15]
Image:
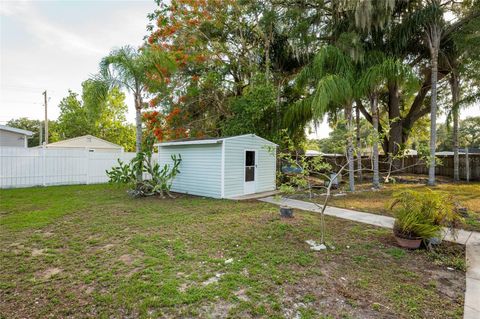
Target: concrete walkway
[255, 195]
[468, 238]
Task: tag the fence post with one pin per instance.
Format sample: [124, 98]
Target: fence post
[44, 160]
[87, 166]
[467, 165]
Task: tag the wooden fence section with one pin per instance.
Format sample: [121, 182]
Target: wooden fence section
[414, 165]
[26, 167]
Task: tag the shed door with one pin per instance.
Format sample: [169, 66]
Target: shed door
[250, 167]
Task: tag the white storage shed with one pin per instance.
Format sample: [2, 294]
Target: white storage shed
[222, 167]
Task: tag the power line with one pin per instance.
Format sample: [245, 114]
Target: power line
[23, 102]
[21, 87]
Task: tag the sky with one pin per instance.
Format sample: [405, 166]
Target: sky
[56, 45]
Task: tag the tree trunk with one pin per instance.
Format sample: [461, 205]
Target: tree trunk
[138, 123]
[374, 106]
[351, 164]
[397, 136]
[359, 144]
[434, 43]
[454, 86]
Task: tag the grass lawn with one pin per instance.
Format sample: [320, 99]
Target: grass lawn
[466, 194]
[91, 251]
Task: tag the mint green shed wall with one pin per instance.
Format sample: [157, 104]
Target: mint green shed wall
[205, 162]
[200, 169]
[235, 148]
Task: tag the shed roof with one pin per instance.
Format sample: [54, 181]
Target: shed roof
[85, 141]
[15, 130]
[208, 140]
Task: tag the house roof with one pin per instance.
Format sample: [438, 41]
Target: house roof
[15, 130]
[207, 140]
[85, 141]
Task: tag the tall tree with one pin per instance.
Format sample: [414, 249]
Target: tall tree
[103, 118]
[331, 76]
[125, 68]
[377, 73]
[133, 70]
[359, 144]
[433, 32]
[470, 132]
[455, 90]
[74, 119]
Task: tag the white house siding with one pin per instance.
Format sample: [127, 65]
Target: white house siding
[11, 139]
[235, 164]
[200, 169]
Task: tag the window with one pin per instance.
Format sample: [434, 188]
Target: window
[250, 158]
[249, 166]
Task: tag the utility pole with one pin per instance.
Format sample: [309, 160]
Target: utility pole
[46, 117]
[41, 134]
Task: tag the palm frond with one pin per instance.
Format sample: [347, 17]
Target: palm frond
[415, 24]
[299, 114]
[332, 89]
[329, 60]
[123, 67]
[389, 70]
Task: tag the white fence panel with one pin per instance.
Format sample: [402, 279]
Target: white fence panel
[65, 167]
[26, 167]
[98, 163]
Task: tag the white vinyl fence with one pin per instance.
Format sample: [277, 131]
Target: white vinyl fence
[25, 167]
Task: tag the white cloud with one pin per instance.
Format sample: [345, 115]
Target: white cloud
[47, 32]
[42, 50]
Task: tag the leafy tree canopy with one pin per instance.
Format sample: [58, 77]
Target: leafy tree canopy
[103, 118]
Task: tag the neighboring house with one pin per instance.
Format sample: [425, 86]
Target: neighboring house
[222, 167]
[14, 137]
[92, 143]
[460, 151]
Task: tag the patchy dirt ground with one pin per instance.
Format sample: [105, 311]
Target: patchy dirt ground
[94, 252]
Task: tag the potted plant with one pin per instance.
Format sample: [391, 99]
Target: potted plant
[444, 212]
[416, 218]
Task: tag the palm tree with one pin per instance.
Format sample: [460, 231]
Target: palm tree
[455, 89]
[433, 34]
[359, 143]
[331, 73]
[129, 69]
[379, 72]
[461, 51]
[126, 69]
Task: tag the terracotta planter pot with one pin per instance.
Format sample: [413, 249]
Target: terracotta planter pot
[410, 243]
